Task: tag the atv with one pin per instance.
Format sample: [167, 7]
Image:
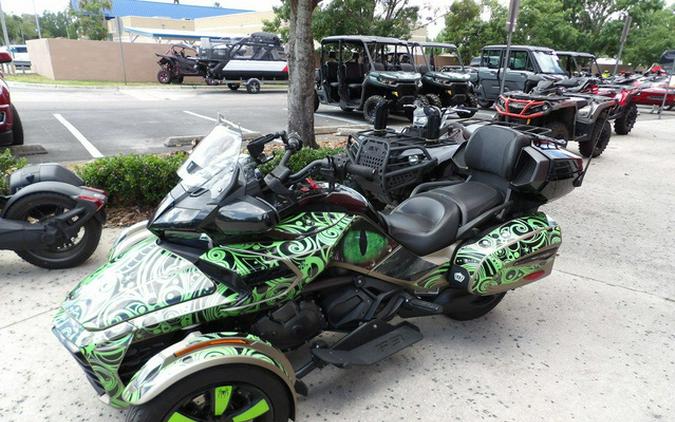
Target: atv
[357, 72]
[177, 63]
[444, 80]
[563, 107]
[195, 314]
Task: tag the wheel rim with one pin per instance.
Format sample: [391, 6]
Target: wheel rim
[255, 86]
[164, 77]
[232, 403]
[70, 247]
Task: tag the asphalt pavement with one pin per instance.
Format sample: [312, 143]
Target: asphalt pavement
[595, 341]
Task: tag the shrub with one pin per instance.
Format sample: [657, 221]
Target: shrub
[8, 165]
[135, 179]
[301, 158]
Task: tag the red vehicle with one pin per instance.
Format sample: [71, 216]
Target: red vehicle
[11, 131]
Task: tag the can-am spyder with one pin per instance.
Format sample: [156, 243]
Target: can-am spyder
[190, 319]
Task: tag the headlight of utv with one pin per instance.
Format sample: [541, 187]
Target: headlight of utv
[387, 81]
[585, 111]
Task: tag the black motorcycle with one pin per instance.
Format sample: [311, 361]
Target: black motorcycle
[50, 219]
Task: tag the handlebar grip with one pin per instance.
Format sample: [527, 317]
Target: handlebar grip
[359, 170]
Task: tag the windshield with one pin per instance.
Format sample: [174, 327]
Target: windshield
[212, 163]
[548, 62]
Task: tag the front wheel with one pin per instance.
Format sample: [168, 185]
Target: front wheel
[461, 305]
[434, 100]
[624, 124]
[227, 393]
[17, 128]
[586, 148]
[370, 106]
[164, 77]
[39, 208]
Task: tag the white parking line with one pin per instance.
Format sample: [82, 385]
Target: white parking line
[79, 136]
[213, 119]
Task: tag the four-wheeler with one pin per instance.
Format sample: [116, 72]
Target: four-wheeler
[11, 129]
[50, 219]
[444, 80]
[356, 72]
[191, 317]
[248, 61]
[563, 107]
[177, 63]
[527, 66]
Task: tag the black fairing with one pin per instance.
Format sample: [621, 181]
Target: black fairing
[249, 215]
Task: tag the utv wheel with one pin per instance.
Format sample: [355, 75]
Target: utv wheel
[624, 125]
[233, 87]
[434, 100]
[370, 106]
[558, 130]
[178, 80]
[232, 393]
[39, 208]
[17, 128]
[585, 148]
[164, 77]
[253, 87]
[461, 305]
[486, 104]
[316, 101]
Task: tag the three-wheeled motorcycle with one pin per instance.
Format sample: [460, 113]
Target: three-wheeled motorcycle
[191, 317]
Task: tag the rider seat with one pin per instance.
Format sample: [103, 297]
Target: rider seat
[431, 220]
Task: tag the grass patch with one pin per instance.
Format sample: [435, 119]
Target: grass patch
[34, 78]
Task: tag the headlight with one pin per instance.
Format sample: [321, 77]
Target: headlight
[501, 102]
[442, 81]
[387, 81]
[585, 111]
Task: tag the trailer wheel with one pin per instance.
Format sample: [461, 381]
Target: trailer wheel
[164, 77]
[233, 87]
[253, 86]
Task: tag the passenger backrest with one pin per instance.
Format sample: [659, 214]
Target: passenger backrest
[331, 71]
[495, 150]
[407, 67]
[353, 72]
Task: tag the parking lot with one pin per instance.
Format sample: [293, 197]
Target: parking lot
[593, 342]
[80, 124]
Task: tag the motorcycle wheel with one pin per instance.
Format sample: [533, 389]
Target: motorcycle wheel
[38, 208]
[585, 148]
[461, 305]
[624, 124]
[233, 392]
[164, 77]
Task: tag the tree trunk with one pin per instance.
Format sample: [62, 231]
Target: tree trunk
[301, 71]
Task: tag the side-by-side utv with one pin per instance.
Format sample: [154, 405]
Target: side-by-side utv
[178, 62]
[444, 80]
[357, 72]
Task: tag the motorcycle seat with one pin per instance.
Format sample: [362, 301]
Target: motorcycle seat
[430, 221]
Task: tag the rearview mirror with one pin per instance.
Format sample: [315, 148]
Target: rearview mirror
[5, 57]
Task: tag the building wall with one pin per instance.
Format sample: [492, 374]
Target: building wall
[241, 23]
[143, 22]
[64, 59]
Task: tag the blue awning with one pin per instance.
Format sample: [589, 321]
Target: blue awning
[164, 10]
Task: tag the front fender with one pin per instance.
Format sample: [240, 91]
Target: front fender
[201, 351]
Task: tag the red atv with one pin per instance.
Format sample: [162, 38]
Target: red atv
[11, 131]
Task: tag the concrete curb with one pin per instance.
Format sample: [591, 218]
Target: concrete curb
[216, 88]
[181, 141]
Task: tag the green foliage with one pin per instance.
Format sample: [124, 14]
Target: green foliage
[580, 25]
[8, 165]
[133, 179]
[301, 158]
[392, 18]
[91, 22]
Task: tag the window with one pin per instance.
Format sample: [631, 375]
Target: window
[491, 58]
[518, 60]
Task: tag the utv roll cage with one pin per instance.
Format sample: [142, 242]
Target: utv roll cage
[573, 63]
[427, 62]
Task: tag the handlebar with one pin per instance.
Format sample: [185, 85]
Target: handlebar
[359, 170]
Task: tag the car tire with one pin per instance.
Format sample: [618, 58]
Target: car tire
[585, 148]
[17, 128]
[233, 87]
[164, 77]
[166, 405]
[369, 107]
[624, 124]
[317, 102]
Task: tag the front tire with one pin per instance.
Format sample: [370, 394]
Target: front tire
[370, 106]
[17, 128]
[586, 148]
[233, 392]
[39, 207]
[624, 124]
[434, 100]
[164, 77]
